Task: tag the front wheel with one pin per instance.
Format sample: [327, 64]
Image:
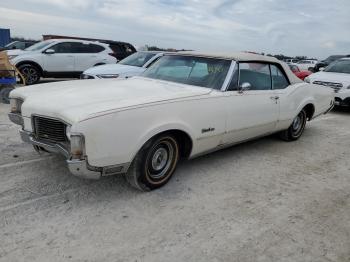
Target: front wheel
[30, 73]
[154, 164]
[296, 129]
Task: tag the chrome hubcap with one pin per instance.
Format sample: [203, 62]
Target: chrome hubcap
[159, 159]
[297, 123]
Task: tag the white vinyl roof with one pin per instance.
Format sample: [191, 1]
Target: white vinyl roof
[246, 57]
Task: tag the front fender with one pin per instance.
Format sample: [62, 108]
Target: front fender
[155, 130]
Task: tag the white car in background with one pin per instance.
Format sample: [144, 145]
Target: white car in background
[185, 105]
[307, 64]
[291, 61]
[336, 76]
[59, 58]
[133, 65]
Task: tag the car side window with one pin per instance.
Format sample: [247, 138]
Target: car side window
[255, 74]
[279, 80]
[63, 48]
[87, 48]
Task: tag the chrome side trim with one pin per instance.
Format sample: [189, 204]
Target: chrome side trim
[230, 144]
[16, 118]
[330, 108]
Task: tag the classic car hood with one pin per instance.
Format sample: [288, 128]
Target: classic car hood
[77, 100]
[331, 77]
[113, 69]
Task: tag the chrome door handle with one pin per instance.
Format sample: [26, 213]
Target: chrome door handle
[275, 97]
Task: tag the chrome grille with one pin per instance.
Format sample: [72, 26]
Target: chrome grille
[335, 86]
[49, 129]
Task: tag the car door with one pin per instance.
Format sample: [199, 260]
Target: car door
[253, 110]
[88, 55]
[62, 60]
[286, 94]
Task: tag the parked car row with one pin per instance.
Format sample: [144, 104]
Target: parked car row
[336, 76]
[181, 106]
[60, 58]
[18, 45]
[133, 65]
[324, 63]
[299, 73]
[65, 58]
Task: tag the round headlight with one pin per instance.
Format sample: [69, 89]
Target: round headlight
[16, 105]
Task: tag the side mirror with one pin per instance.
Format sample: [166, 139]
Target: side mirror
[49, 51]
[321, 68]
[244, 87]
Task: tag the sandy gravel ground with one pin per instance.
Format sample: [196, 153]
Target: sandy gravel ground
[265, 200]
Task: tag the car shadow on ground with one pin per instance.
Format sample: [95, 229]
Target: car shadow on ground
[49, 183]
[116, 186]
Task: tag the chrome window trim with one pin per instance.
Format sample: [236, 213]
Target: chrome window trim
[155, 57]
[229, 76]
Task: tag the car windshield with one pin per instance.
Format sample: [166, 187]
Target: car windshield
[333, 58]
[198, 71]
[10, 44]
[137, 59]
[340, 66]
[38, 46]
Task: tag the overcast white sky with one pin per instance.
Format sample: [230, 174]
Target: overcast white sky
[292, 27]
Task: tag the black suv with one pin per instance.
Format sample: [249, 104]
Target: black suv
[120, 49]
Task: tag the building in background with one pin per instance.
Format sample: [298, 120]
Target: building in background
[5, 37]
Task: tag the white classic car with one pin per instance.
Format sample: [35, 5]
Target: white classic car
[183, 106]
[307, 64]
[133, 65]
[336, 76]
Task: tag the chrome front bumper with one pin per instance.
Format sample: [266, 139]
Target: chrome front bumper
[16, 118]
[78, 167]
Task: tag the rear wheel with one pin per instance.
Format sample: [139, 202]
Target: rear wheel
[154, 164]
[296, 129]
[30, 73]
